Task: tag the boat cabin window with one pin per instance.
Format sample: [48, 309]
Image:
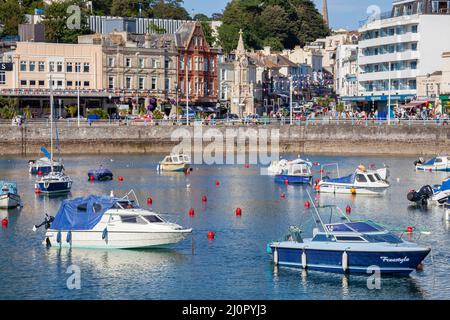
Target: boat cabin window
[323, 237]
[377, 176]
[176, 159]
[438, 160]
[349, 239]
[388, 237]
[153, 219]
[83, 207]
[133, 219]
[371, 178]
[125, 205]
[361, 178]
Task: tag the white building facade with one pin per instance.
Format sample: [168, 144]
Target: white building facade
[346, 71]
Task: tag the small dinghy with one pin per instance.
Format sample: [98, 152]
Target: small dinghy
[362, 181]
[102, 222]
[437, 194]
[100, 174]
[347, 246]
[439, 163]
[296, 172]
[9, 196]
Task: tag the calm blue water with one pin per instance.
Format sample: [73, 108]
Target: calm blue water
[233, 266]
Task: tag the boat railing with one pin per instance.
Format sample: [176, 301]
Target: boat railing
[322, 171]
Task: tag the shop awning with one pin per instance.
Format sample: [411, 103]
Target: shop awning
[415, 104]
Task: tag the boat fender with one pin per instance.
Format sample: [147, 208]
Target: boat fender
[447, 215]
[105, 234]
[47, 242]
[345, 261]
[69, 237]
[353, 190]
[275, 256]
[58, 237]
[304, 259]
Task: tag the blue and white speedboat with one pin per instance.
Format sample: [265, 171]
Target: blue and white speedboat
[53, 183]
[362, 181]
[9, 195]
[100, 174]
[348, 247]
[296, 172]
[44, 165]
[440, 163]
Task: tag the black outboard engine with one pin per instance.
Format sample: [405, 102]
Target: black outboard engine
[421, 196]
[420, 161]
[47, 222]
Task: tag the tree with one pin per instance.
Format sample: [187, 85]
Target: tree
[63, 25]
[169, 9]
[130, 8]
[217, 16]
[8, 108]
[200, 17]
[207, 30]
[11, 15]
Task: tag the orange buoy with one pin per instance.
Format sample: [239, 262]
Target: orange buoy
[211, 235]
[238, 212]
[149, 201]
[37, 190]
[317, 181]
[120, 178]
[307, 204]
[191, 212]
[348, 210]
[204, 199]
[5, 222]
[317, 188]
[283, 195]
[409, 229]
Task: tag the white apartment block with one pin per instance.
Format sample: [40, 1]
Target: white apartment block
[346, 71]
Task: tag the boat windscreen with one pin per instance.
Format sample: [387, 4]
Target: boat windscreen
[365, 227]
[347, 179]
[430, 162]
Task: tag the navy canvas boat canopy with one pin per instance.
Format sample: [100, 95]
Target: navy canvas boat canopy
[81, 213]
[446, 185]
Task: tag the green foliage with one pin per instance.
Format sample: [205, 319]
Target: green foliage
[8, 108]
[72, 110]
[158, 115]
[153, 28]
[325, 101]
[201, 17]
[207, 30]
[11, 15]
[56, 22]
[162, 9]
[99, 112]
[291, 22]
[340, 107]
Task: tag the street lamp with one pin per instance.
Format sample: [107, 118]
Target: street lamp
[291, 91]
[389, 95]
[78, 94]
[136, 109]
[187, 90]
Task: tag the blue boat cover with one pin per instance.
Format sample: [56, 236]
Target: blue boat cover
[350, 179]
[430, 162]
[445, 185]
[12, 187]
[100, 172]
[45, 151]
[81, 213]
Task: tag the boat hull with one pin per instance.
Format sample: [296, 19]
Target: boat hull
[101, 176]
[8, 201]
[402, 262]
[54, 187]
[433, 168]
[293, 179]
[351, 189]
[116, 239]
[174, 167]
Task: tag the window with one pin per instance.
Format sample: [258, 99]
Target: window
[59, 66]
[377, 176]
[86, 84]
[414, 46]
[69, 67]
[349, 239]
[223, 74]
[111, 82]
[110, 62]
[51, 66]
[167, 84]
[141, 83]
[69, 83]
[128, 83]
[41, 66]
[23, 66]
[32, 66]
[360, 178]
[77, 67]
[59, 83]
[414, 29]
[2, 77]
[141, 63]
[154, 83]
[23, 82]
[153, 219]
[435, 7]
[86, 67]
[154, 64]
[133, 219]
[167, 64]
[128, 62]
[371, 178]
[32, 82]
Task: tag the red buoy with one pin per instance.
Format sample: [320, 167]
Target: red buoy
[120, 178]
[307, 204]
[40, 173]
[5, 222]
[247, 166]
[286, 181]
[37, 190]
[238, 212]
[191, 212]
[149, 201]
[409, 229]
[283, 195]
[204, 199]
[322, 171]
[317, 188]
[211, 235]
[217, 183]
[348, 210]
[91, 178]
[317, 181]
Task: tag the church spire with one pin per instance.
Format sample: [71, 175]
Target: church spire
[325, 12]
[240, 48]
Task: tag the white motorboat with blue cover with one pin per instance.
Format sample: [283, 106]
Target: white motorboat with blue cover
[438, 163]
[348, 247]
[9, 195]
[276, 167]
[362, 182]
[109, 223]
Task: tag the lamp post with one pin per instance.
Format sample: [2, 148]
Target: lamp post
[389, 95]
[291, 91]
[187, 90]
[78, 96]
[136, 109]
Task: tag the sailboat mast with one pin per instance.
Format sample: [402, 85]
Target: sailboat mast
[51, 121]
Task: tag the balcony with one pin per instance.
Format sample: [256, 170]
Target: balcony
[388, 57]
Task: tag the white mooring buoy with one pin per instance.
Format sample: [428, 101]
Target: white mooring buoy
[344, 261]
[304, 259]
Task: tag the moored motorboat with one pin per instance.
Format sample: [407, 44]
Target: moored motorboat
[348, 247]
[439, 163]
[9, 195]
[175, 163]
[110, 223]
[53, 183]
[362, 182]
[436, 194]
[100, 174]
[298, 172]
[276, 167]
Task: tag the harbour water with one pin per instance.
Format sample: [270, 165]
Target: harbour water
[235, 265]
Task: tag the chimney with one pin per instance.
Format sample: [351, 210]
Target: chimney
[148, 38]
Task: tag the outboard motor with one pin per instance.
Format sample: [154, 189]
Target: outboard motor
[420, 161]
[421, 196]
[47, 223]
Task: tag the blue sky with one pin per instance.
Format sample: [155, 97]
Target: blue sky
[343, 13]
